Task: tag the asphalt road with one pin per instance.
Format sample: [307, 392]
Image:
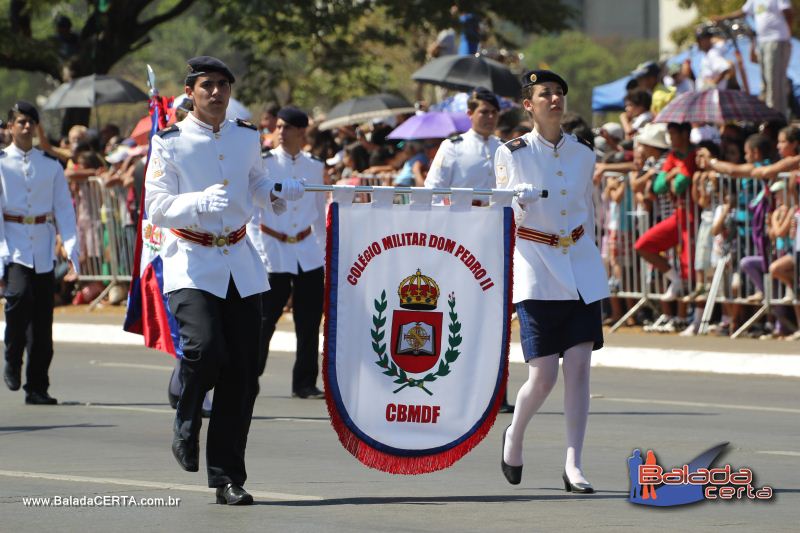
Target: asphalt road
[111, 436]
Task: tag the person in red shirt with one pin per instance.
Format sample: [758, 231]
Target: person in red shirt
[674, 180]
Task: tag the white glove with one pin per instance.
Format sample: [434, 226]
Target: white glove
[212, 200]
[291, 189]
[279, 206]
[527, 194]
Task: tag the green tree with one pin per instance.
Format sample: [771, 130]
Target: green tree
[101, 34]
[316, 53]
[310, 52]
[586, 63]
[104, 33]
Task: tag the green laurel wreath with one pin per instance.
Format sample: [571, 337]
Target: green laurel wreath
[392, 370]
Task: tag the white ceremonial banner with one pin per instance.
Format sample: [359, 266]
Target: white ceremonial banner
[417, 327]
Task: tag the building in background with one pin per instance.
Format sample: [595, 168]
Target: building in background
[632, 19]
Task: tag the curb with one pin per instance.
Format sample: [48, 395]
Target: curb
[609, 357]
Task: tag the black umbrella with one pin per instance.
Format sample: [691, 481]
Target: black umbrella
[464, 73]
[92, 91]
[364, 108]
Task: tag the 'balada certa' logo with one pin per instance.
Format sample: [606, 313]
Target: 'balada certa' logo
[697, 480]
[414, 358]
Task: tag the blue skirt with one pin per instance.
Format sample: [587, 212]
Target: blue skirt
[548, 327]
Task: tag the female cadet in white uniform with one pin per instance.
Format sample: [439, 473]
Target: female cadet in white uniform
[35, 203]
[559, 277]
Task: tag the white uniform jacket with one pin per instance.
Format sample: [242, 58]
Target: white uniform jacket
[308, 212]
[33, 184]
[543, 272]
[186, 159]
[464, 161]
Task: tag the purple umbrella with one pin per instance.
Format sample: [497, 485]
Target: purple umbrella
[432, 125]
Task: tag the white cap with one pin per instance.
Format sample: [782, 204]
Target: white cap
[653, 134]
[614, 129]
[336, 159]
[118, 154]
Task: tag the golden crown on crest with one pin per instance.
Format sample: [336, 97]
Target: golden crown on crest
[418, 292]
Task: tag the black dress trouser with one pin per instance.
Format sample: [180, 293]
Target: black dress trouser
[307, 290]
[220, 342]
[29, 323]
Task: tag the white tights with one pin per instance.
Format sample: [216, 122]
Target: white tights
[542, 377]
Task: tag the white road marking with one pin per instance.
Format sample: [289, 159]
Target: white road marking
[132, 365]
[172, 411]
[150, 485]
[702, 404]
[780, 452]
[127, 408]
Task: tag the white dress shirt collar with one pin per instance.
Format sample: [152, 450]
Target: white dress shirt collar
[194, 121]
[281, 151]
[16, 150]
[477, 135]
[535, 135]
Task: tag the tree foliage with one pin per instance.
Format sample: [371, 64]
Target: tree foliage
[586, 63]
[314, 52]
[104, 33]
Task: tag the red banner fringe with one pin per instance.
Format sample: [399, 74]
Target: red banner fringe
[398, 464]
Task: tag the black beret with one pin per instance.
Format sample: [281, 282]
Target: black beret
[26, 108]
[535, 77]
[703, 31]
[484, 94]
[201, 65]
[648, 68]
[293, 116]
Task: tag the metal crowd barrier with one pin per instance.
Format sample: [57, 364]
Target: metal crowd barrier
[620, 224]
[106, 234]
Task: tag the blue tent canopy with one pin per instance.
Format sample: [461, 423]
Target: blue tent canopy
[609, 97]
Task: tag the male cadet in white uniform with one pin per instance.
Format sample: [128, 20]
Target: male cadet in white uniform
[36, 205]
[292, 247]
[204, 175]
[468, 160]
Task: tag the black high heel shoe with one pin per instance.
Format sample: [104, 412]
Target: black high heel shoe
[578, 488]
[513, 474]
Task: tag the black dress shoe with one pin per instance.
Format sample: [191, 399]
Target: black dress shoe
[12, 377]
[309, 393]
[507, 408]
[39, 398]
[232, 494]
[187, 453]
[513, 473]
[578, 488]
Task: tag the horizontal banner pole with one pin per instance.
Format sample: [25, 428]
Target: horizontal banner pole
[369, 188]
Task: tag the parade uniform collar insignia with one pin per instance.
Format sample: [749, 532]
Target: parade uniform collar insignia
[516, 144]
[245, 124]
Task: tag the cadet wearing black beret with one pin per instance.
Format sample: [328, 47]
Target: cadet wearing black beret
[293, 116]
[535, 77]
[201, 65]
[26, 108]
[484, 94]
